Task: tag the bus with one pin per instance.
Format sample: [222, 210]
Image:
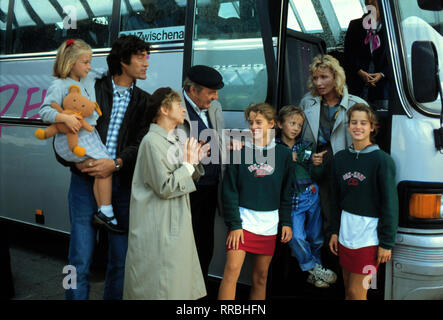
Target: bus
[263, 49]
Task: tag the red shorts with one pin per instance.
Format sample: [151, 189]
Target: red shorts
[257, 244]
[360, 261]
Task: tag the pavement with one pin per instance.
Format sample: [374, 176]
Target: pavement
[38, 259]
[37, 262]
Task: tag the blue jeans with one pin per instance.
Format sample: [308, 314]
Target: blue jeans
[82, 206]
[307, 238]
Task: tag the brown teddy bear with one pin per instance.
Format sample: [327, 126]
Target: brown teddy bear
[73, 103]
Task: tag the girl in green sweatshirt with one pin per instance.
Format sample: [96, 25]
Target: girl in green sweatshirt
[365, 205]
[256, 199]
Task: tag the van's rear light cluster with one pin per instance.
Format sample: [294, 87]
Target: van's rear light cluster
[421, 204]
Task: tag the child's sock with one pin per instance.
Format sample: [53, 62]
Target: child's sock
[108, 212]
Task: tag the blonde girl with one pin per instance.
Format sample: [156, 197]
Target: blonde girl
[72, 66]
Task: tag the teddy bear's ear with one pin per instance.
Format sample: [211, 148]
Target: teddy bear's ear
[74, 89]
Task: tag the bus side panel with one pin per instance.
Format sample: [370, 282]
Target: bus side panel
[31, 179]
[416, 158]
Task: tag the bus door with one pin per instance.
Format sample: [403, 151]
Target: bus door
[309, 28]
[229, 36]
[408, 122]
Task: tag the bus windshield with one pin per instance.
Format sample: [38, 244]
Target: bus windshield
[417, 24]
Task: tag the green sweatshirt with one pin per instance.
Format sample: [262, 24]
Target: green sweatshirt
[363, 183]
[257, 186]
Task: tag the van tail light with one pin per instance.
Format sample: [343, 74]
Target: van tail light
[426, 206]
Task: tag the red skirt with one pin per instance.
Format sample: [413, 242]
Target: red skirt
[257, 244]
[360, 261]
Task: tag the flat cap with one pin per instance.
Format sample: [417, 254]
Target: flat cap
[206, 76]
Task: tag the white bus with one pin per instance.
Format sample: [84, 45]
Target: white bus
[263, 50]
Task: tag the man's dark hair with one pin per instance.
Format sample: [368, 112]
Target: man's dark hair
[122, 50]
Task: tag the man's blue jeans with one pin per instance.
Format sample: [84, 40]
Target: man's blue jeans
[307, 238]
[82, 206]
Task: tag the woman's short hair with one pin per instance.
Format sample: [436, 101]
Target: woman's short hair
[122, 50]
[372, 117]
[322, 62]
[67, 54]
[264, 109]
[164, 96]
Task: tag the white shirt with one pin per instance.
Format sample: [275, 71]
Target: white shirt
[357, 231]
[264, 223]
[202, 113]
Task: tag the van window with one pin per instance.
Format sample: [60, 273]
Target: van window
[42, 25]
[153, 20]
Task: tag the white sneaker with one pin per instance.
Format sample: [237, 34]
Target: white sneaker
[317, 282]
[323, 274]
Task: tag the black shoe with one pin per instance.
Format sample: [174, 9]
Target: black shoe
[102, 220]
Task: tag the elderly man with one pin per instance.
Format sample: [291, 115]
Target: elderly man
[200, 93]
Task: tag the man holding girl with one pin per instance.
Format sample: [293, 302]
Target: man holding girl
[121, 128]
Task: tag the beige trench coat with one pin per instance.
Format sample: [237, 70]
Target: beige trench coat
[162, 260]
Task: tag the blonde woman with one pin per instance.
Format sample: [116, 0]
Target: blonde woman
[325, 107]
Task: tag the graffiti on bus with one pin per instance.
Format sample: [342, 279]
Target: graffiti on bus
[28, 106]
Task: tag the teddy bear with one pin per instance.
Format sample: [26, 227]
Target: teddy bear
[73, 103]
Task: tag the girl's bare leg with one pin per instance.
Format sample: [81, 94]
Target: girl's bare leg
[233, 266]
[103, 191]
[260, 277]
[354, 285]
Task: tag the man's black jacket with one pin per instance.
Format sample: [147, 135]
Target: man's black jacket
[132, 130]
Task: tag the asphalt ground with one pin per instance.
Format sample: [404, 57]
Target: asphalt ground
[38, 259]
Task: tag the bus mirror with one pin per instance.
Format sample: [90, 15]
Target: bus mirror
[425, 78]
[430, 5]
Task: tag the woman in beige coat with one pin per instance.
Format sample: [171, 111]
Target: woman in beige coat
[162, 260]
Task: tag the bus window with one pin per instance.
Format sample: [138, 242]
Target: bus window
[227, 37]
[346, 11]
[3, 10]
[309, 18]
[418, 25]
[153, 20]
[42, 25]
[328, 20]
